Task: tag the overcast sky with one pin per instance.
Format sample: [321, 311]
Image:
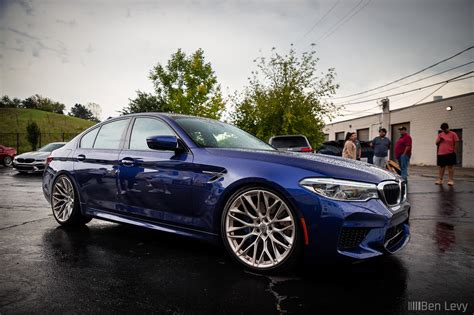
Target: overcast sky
[102, 51]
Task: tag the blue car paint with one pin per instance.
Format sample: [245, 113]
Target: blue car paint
[185, 192]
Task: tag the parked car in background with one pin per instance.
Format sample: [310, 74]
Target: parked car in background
[7, 154]
[335, 147]
[209, 180]
[35, 161]
[294, 143]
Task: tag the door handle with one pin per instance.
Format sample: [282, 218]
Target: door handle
[81, 157]
[128, 162]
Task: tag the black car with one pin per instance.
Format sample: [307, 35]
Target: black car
[335, 148]
[294, 143]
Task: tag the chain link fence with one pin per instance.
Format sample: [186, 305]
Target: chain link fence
[19, 140]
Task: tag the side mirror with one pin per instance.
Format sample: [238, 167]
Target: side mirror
[165, 143]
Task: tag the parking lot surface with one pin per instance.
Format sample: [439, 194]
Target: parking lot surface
[109, 268]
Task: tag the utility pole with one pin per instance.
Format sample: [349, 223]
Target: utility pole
[386, 115]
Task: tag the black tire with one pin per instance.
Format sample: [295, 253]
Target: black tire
[7, 161]
[75, 218]
[293, 256]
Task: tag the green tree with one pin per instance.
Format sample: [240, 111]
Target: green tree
[185, 85]
[144, 102]
[6, 102]
[284, 96]
[81, 111]
[33, 133]
[43, 103]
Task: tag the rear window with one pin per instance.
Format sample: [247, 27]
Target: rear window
[289, 142]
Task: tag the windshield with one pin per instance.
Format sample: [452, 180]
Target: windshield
[50, 147]
[289, 142]
[214, 134]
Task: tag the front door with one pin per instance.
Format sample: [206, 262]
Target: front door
[154, 184]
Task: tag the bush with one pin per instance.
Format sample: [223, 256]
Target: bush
[33, 134]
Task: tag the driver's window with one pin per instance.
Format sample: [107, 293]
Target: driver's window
[146, 127]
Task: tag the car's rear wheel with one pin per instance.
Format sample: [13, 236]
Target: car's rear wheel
[260, 230]
[7, 161]
[65, 203]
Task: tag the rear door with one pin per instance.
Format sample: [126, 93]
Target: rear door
[96, 164]
[154, 184]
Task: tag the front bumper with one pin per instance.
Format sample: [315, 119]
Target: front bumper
[341, 231]
[33, 167]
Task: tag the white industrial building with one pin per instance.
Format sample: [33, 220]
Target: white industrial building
[422, 121]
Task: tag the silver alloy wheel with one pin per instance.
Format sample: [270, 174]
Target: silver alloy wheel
[63, 199]
[7, 161]
[260, 229]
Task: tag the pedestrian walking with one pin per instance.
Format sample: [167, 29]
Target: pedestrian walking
[403, 151]
[381, 145]
[350, 150]
[446, 143]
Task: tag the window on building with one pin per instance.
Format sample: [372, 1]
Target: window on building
[340, 135]
[326, 137]
[363, 134]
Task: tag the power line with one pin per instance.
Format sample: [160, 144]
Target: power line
[412, 82]
[339, 21]
[437, 89]
[408, 76]
[347, 20]
[319, 21]
[417, 89]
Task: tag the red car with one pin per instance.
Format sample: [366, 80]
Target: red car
[6, 155]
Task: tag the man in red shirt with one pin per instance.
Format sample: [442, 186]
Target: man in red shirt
[403, 151]
[446, 142]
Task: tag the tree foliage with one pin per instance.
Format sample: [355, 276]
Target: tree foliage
[96, 110]
[284, 96]
[33, 102]
[33, 133]
[81, 111]
[185, 85]
[144, 102]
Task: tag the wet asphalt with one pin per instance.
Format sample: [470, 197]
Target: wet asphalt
[115, 268]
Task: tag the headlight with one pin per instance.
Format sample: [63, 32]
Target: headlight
[343, 190]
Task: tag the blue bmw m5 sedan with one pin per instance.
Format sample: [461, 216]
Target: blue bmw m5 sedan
[207, 179]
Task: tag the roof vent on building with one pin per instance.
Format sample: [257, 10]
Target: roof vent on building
[437, 98]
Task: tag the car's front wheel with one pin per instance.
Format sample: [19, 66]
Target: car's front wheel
[7, 161]
[65, 203]
[260, 230]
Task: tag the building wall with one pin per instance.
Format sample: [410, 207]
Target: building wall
[424, 120]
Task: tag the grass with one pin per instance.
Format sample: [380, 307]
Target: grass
[54, 127]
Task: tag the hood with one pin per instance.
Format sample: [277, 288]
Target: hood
[323, 165]
[34, 155]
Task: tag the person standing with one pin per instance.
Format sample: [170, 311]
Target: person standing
[350, 150]
[403, 151]
[381, 145]
[358, 147]
[446, 143]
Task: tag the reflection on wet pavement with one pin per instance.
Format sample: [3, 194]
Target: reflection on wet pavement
[108, 267]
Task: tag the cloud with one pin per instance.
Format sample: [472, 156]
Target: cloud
[89, 49]
[70, 23]
[26, 5]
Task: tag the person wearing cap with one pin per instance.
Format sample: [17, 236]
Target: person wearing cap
[446, 143]
[403, 151]
[381, 145]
